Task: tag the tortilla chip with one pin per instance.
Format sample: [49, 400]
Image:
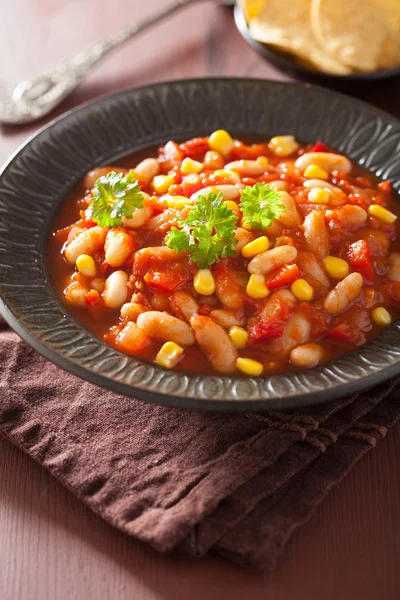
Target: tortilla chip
[288, 26]
[361, 35]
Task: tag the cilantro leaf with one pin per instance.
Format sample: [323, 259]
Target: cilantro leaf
[207, 233]
[260, 204]
[115, 196]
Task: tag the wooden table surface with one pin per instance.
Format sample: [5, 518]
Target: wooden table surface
[51, 546]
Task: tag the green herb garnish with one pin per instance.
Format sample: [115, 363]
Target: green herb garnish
[259, 205]
[115, 196]
[207, 233]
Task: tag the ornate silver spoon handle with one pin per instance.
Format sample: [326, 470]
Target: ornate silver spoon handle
[34, 98]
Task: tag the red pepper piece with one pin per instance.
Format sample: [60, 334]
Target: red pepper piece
[320, 147]
[359, 258]
[282, 277]
[92, 297]
[340, 332]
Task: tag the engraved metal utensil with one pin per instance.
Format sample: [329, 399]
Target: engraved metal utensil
[34, 98]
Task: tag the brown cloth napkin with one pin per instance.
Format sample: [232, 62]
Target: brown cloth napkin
[238, 484]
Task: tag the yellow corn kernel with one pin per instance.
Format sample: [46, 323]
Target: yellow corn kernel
[228, 174]
[86, 265]
[283, 145]
[316, 172]
[221, 141]
[258, 245]
[336, 267]
[262, 160]
[302, 290]
[178, 202]
[169, 355]
[319, 196]
[381, 213]
[191, 166]
[256, 287]
[204, 283]
[369, 298]
[232, 205]
[381, 316]
[239, 336]
[161, 183]
[249, 366]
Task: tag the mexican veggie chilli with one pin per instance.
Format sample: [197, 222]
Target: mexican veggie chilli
[217, 256]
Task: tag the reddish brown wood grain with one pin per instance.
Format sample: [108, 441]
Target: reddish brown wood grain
[51, 546]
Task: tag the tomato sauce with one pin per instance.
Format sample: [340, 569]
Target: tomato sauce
[366, 246]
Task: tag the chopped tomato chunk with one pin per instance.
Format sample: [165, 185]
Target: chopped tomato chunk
[359, 258]
[272, 325]
[171, 152]
[242, 151]
[385, 187]
[282, 277]
[92, 297]
[205, 310]
[195, 146]
[168, 279]
[265, 330]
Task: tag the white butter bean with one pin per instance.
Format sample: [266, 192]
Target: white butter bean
[316, 233]
[246, 168]
[343, 293]
[228, 318]
[244, 236]
[75, 294]
[229, 192]
[118, 246]
[291, 216]
[297, 331]
[140, 217]
[116, 290]
[326, 160]
[184, 305]
[164, 327]
[279, 184]
[307, 356]
[88, 241]
[147, 169]
[215, 343]
[267, 261]
[131, 310]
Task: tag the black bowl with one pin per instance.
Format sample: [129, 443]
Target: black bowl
[38, 177]
[285, 62]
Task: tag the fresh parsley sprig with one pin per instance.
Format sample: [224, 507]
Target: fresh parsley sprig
[259, 205]
[207, 233]
[115, 196]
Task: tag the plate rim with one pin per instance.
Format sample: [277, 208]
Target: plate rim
[300, 400]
